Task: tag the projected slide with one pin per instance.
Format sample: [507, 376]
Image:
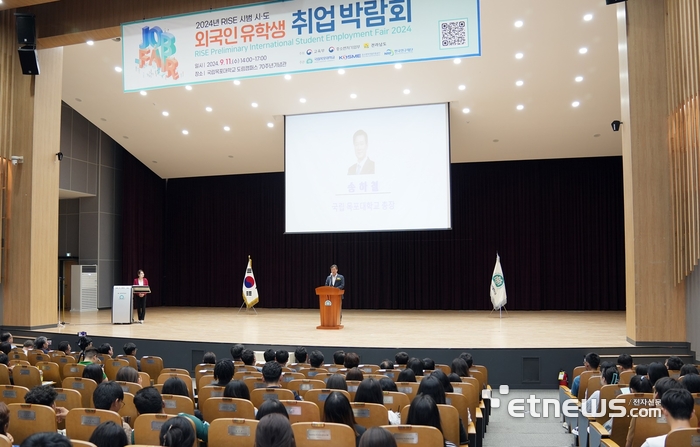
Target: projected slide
[368, 170]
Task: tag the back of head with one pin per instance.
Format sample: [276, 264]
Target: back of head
[269, 355]
[4, 359]
[177, 432]
[94, 371]
[129, 348]
[40, 342]
[127, 374]
[444, 381]
[611, 375]
[41, 395]
[237, 351]
[4, 417]
[46, 440]
[432, 387]
[370, 391]
[109, 434]
[416, 365]
[406, 375]
[104, 348]
[6, 336]
[386, 364]
[300, 354]
[248, 357]
[176, 386]
[271, 406]
[679, 403]
[691, 382]
[656, 371]
[209, 358]
[148, 401]
[593, 360]
[460, 367]
[428, 364]
[467, 358]
[642, 370]
[28, 344]
[377, 437]
[674, 363]
[337, 409]
[63, 346]
[274, 430]
[337, 382]
[106, 394]
[223, 371]
[339, 357]
[664, 384]
[424, 411]
[352, 360]
[282, 357]
[316, 359]
[401, 358]
[271, 371]
[688, 369]
[90, 354]
[5, 347]
[237, 389]
[354, 374]
[625, 361]
[387, 384]
[454, 378]
[640, 384]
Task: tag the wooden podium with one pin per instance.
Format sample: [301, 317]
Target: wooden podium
[330, 303]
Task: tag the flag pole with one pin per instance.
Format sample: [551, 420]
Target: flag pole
[245, 303]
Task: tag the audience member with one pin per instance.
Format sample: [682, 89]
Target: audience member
[95, 372]
[401, 358]
[131, 349]
[352, 360]
[248, 357]
[337, 382]
[339, 357]
[110, 396]
[377, 437]
[176, 386]
[386, 364]
[691, 382]
[406, 375]
[5, 420]
[4, 359]
[388, 385]
[300, 354]
[444, 380]
[109, 434]
[223, 372]
[237, 389]
[64, 347]
[271, 406]
[688, 369]
[28, 346]
[272, 372]
[416, 365]
[609, 376]
[459, 367]
[128, 374]
[7, 337]
[640, 384]
[661, 386]
[105, 349]
[89, 356]
[269, 355]
[84, 342]
[274, 430]
[46, 440]
[209, 358]
[42, 343]
[641, 370]
[148, 401]
[424, 411]
[337, 410]
[177, 432]
[625, 362]
[282, 357]
[428, 364]
[316, 359]
[370, 391]
[354, 374]
[591, 362]
[674, 363]
[45, 395]
[656, 371]
[467, 358]
[5, 347]
[454, 378]
[677, 405]
[432, 387]
[237, 352]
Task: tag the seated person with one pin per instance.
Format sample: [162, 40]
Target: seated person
[689, 369]
[109, 434]
[64, 347]
[248, 357]
[95, 372]
[46, 395]
[177, 432]
[460, 367]
[128, 374]
[300, 355]
[237, 352]
[424, 411]
[337, 382]
[270, 406]
[337, 409]
[209, 358]
[223, 372]
[386, 364]
[272, 372]
[274, 430]
[641, 370]
[42, 343]
[282, 357]
[149, 401]
[339, 357]
[416, 365]
[467, 357]
[656, 371]
[370, 391]
[677, 405]
[354, 374]
[432, 387]
[46, 440]
[428, 364]
[130, 349]
[269, 355]
[662, 385]
[625, 363]
[316, 359]
[89, 357]
[591, 362]
[674, 363]
[106, 350]
[407, 375]
[352, 360]
[691, 382]
[28, 346]
[5, 421]
[401, 358]
[110, 396]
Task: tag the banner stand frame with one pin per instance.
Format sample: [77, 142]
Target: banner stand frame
[246, 309]
[500, 311]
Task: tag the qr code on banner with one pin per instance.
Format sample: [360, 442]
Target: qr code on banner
[453, 34]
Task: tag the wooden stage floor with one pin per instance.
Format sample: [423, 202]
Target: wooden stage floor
[367, 328]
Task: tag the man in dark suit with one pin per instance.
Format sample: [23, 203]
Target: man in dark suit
[335, 279]
[364, 165]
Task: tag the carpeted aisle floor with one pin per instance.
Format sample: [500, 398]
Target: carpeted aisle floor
[507, 431]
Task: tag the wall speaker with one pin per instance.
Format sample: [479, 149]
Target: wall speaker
[26, 29]
[28, 60]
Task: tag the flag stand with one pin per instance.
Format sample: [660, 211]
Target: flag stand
[500, 311]
[246, 309]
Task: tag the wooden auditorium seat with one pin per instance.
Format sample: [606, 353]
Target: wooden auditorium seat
[321, 434]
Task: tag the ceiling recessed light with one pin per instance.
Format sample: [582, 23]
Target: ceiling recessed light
[226, 128]
[236, 82]
[353, 96]
[188, 88]
[398, 66]
[118, 69]
[588, 17]
[466, 110]
[518, 23]
[578, 78]
[89, 42]
[255, 104]
[208, 109]
[406, 91]
[575, 104]
[302, 100]
[143, 93]
[185, 132]
[519, 55]
[519, 83]
[462, 87]
[341, 72]
[457, 61]
[583, 50]
[520, 107]
[165, 113]
[270, 125]
[287, 77]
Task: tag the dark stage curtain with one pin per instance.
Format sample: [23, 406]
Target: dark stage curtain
[557, 225]
[143, 226]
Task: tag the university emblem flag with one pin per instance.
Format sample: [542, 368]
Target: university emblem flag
[250, 287]
[498, 286]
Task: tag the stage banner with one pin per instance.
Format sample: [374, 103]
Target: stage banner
[250, 287]
[275, 38]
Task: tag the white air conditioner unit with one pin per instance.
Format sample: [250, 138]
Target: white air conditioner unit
[83, 288]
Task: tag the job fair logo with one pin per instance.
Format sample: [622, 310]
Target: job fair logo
[157, 49]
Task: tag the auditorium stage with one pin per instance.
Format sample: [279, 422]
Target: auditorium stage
[366, 328]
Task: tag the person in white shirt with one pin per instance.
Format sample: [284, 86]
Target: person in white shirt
[678, 407]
